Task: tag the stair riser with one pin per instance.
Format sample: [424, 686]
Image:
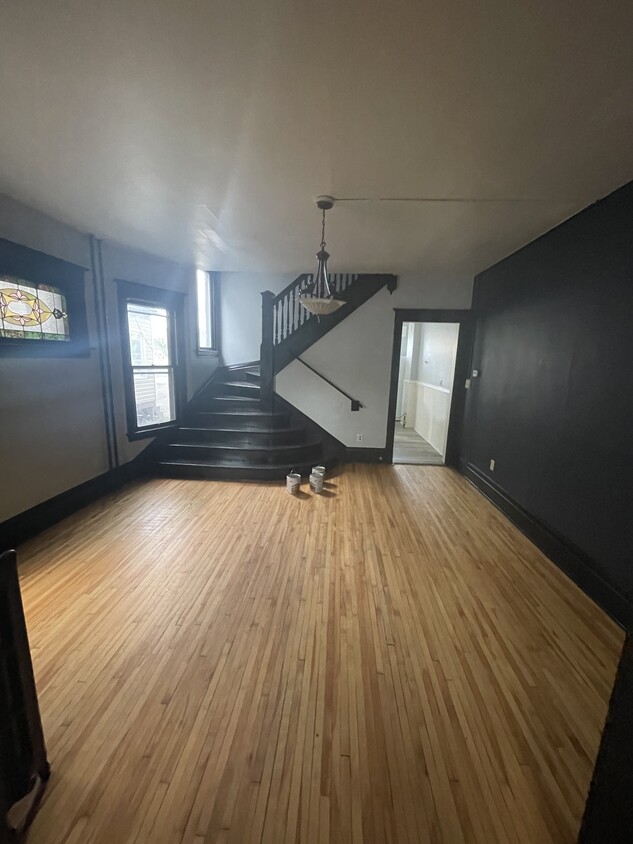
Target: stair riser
[228, 473]
[240, 420]
[250, 438]
[241, 457]
[232, 405]
[252, 377]
[249, 391]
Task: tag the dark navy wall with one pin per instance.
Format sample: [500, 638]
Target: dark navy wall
[553, 405]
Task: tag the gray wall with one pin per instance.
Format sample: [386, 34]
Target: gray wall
[51, 411]
[241, 312]
[120, 262]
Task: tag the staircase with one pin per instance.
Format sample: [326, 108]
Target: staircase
[237, 427]
[229, 435]
[293, 329]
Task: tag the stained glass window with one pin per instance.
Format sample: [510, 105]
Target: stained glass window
[32, 312]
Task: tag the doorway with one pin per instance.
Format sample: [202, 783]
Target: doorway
[428, 352]
[431, 358]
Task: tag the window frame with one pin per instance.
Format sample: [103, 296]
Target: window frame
[213, 280]
[172, 301]
[37, 269]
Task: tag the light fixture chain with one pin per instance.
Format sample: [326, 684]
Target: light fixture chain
[323, 231]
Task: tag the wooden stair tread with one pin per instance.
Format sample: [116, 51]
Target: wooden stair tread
[230, 447]
[228, 430]
[243, 412]
[232, 397]
[248, 385]
[218, 463]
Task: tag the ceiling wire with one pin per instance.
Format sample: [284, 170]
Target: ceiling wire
[447, 199]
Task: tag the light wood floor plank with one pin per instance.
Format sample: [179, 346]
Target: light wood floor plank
[390, 662]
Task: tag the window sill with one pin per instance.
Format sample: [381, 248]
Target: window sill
[208, 353]
[145, 433]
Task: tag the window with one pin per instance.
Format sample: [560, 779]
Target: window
[149, 335]
[152, 340]
[207, 310]
[29, 312]
[42, 305]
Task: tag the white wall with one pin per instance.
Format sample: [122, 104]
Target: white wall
[438, 348]
[52, 426]
[356, 356]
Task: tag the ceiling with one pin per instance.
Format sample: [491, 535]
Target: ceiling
[201, 130]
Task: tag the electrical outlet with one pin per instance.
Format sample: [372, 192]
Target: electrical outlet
[492, 465]
[360, 438]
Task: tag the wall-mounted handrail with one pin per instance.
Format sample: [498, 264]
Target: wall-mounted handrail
[356, 405]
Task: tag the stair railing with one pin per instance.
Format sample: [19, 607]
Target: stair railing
[288, 313]
[282, 315]
[355, 403]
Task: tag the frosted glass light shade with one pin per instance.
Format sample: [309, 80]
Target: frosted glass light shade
[319, 306]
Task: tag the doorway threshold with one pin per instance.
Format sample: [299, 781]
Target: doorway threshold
[410, 447]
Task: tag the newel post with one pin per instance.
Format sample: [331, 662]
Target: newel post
[266, 363]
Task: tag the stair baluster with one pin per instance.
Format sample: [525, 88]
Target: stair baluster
[295, 329]
[284, 310]
[275, 324]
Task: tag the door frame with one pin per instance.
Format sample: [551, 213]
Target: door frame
[466, 321]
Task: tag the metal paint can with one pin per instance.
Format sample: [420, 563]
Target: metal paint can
[318, 470]
[293, 483]
[316, 482]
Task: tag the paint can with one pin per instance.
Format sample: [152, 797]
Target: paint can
[318, 470]
[316, 482]
[293, 483]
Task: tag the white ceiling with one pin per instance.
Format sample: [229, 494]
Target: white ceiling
[179, 125]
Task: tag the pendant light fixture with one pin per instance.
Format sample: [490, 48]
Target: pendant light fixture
[320, 300]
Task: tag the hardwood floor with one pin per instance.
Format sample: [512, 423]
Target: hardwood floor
[390, 662]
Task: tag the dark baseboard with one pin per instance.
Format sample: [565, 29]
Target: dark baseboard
[366, 455]
[28, 524]
[575, 563]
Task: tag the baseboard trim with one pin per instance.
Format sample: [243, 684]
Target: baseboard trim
[366, 455]
[26, 525]
[571, 560]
